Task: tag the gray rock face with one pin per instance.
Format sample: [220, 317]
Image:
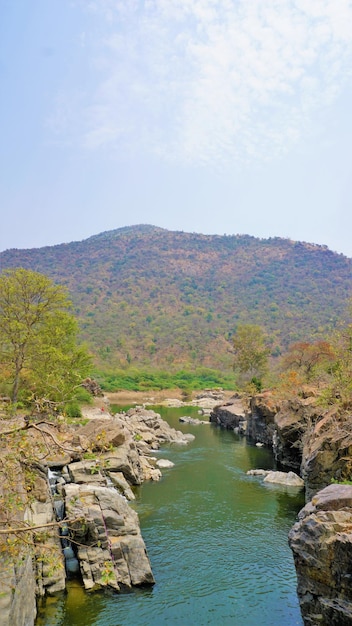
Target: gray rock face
[231, 415]
[261, 421]
[26, 574]
[321, 542]
[146, 425]
[17, 594]
[111, 550]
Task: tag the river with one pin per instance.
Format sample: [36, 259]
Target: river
[216, 538]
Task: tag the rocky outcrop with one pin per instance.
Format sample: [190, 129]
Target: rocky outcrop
[314, 442]
[290, 479]
[17, 592]
[31, 562]
[93, 468]
[231, 415]
[111, 551]
[327, 450]
[193, 421]
[321, 542]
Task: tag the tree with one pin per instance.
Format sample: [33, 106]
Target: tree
[340, 389]
[38, 337]
[251, 353]
[308, 357]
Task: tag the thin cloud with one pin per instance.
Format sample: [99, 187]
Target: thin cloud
[202, 81]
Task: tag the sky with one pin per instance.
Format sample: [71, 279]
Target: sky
[208, 116]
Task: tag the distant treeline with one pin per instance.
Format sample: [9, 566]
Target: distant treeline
[139, 380]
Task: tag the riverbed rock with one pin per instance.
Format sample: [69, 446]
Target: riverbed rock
[321, 542]
[313, 441]
[261, 419]
[231, 415]
[147, 425]
[194, 421]
[121, 484]
[284, 478]
[111, 550]
[164, 463]
[102, 433]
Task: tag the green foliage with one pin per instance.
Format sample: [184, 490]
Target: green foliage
[250, 350]
[72, 409]
[38, 349]
[257, 383]
[133, 379]
[83, 395]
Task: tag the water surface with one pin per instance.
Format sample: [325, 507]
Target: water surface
[216, 538]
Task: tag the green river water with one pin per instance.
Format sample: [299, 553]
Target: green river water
[216, 538]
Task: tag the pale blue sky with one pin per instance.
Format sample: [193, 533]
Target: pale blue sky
[212, 116]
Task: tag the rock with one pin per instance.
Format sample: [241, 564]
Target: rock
[284, 478]
[121, 484]
[102, 433]
[111, 550]
[86, 472]
[164, 463]
[230, 415]
[17, 593]
[93, 387]
[257, 472]
[123, 459]
[149, 471]
[261, 420]
[321, 542]
[50, 576]
[146, 425]
[213, 394]
[174, 402]
[192, 420]
[327, 450]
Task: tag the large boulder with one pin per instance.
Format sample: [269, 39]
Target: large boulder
[261, 421]
[111, 550]
[321, 542]
[290, 479]
[147, 426]
[231, 415]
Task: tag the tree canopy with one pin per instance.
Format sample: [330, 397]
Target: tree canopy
[251, 352]
[39, 353]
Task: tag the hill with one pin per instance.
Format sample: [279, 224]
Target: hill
[146, 296]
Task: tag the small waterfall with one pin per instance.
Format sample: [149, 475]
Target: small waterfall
[56, 480]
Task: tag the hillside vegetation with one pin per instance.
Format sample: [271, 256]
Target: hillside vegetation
[151, 298]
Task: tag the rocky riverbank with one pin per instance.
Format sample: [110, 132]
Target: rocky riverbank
[317, 444]
[80, 517]
[81, 521]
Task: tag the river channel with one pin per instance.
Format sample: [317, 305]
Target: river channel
[216, 538]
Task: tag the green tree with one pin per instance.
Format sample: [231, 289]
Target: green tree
[38, 338]
[250, 350]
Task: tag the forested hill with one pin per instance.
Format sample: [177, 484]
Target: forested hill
[149, 296]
